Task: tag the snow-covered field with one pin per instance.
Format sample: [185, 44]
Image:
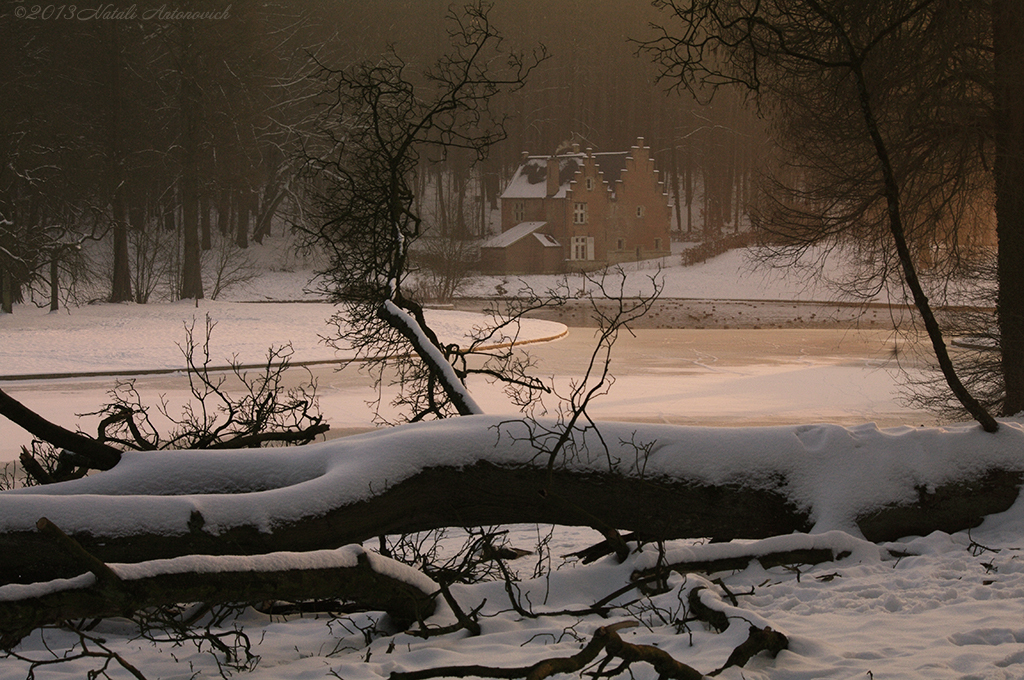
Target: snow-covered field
[941, 606]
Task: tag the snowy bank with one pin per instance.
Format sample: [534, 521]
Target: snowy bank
[106, 338]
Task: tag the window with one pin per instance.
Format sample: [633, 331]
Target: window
[590, 184]
[639, 211]
[620, 244]
[579, 213]
[582, 248]
[657, 244]
[519, 211]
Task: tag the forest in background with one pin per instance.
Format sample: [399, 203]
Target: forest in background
[176, 142]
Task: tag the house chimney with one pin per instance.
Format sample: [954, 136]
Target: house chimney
[552, 170]
[575, 147]
[522, 159]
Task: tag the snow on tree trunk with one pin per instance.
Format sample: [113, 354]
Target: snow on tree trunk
[662, 481]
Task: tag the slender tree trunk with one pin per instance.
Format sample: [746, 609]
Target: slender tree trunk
[191, 270]
[242, 217]
[460, 183]
[55, 281]
[1007, 29]
[708, 217]
[272, 198]
[138, 218]
[6, 292]
[204, 220]
[892, 194]
[169, 222]
[224, 212]
[676, 187]
[121, 278]
[191, 263]
[442, 210]
[688, 188]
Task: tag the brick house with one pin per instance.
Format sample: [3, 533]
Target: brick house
[580, 211]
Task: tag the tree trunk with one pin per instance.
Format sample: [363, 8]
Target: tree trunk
[55, 281]
[485, 494]
[191, 262]
[273, 197]
[6, 291]
[442, 209]
[120, 279]
[169, 225]
[204, 220]
[688, 187]
[348, 574]
[97, 455]
[891, 191]
[242, 217]
[224, 212]
[1007, 28]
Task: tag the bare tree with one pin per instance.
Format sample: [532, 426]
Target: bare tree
[837, 68]
[382, 117]
[255, 411]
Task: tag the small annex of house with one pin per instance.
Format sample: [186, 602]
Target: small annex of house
[580, 212]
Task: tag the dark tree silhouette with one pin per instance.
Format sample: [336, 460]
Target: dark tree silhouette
[832, 65]
[383, 118]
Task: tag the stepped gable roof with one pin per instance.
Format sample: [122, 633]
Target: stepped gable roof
[530, 179]
[520, 231]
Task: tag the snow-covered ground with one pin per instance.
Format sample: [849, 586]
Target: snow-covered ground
[941, 606]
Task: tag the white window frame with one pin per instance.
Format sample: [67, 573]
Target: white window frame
[640, 211]
[582, 248]
[579, 212]
[590, 184]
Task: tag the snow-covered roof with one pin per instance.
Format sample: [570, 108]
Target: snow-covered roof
[530, 180]
[518, 232]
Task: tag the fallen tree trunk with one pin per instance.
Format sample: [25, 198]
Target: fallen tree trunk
[89, 452]
[479, 495]
[348, 574]
[486, 494]
[605, 639]
[465, 472]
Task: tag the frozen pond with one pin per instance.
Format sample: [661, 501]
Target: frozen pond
[683, 376]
